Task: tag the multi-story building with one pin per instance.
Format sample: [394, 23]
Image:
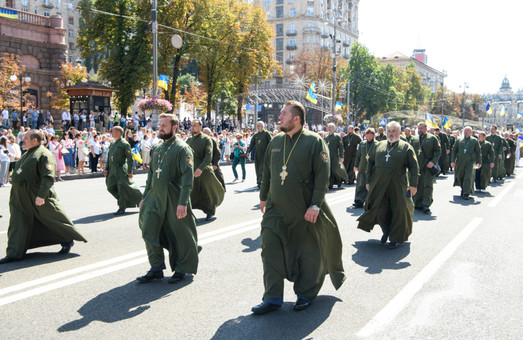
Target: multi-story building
[303, 25]
[505, 105]
[432, 78]
[47, 8]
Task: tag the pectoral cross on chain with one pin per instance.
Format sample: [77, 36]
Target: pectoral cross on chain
[158, 171]
[387, 156]
[465, 151]
[283, 174]
[367, 158]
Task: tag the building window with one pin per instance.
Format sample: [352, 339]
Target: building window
[9, 3]
[46, 13]
[267, 2]
[279, 2]
[311, 24]
[279, 30]
[279, 43]
[292, 12]
[292, 41]
[25, 9]
[313, 39]
[71, 46]
[279, 57]
[279, 12]
[268, 15]
[308, 39]
[71, 33]
[310, 11]
[58, 3]
[70, 6]
[291, 55]
[24, 2]
[292, 28]
[71, 20]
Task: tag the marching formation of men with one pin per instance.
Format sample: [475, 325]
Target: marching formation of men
[300, 239]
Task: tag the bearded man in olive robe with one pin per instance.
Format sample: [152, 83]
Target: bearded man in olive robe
[487, 158]
[259, 142]
[166, 217]
[350, 141]
[362, 156]
[37, 217]
[497, 144]
[466, 153]
[391, 187]
[335, 146]
[299, 236]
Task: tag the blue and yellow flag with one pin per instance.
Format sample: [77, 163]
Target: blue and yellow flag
[520, 115]
[429, 120]
[136, 155]
[488, 109]
[446, 123]
[311, 96]
[339, 105]
[163, 82]
[8, 13]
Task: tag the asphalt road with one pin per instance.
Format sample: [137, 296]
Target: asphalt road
[459, 276]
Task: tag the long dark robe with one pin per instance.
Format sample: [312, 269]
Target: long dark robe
[259, 142]
[164, 191]
[216, 155]
[350, 142]
[338, 172]
[445, 145]
[364, 151]
[306, 184]
[497, 145]
[430, 145]
[389, 181]
[487, 157]
[119, 166]
[32, 226]
[207, 192]
[510, 161]
[466, 153]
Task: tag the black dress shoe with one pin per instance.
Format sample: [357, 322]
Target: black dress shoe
[264, 307]
[8, 259]
[177, 277]
[301, 304]
[357, 204]
[66, 247]
[426, 210]
[208, 217]
[466, 197]
[417, 207]
[119, 212]
[393, 245]
[151, 276]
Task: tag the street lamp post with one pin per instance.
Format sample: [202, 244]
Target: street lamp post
[27, 79]
[216, 114]
[465, 87]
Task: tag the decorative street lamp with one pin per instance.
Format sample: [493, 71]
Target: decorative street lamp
[27, 80]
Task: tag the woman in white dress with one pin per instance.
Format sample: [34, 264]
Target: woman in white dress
[227, 148]
[56, 149]
[82, 154]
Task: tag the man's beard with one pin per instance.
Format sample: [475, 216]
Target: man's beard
[166, 136]
[393, 139]
[286, 129]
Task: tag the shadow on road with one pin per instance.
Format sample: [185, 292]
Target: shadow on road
[421, 216]
[100, 218]
[281, 324]
[459, 200]
[377, 257]
[356, 212]
[36, 259]
[122, 303]
[253, 189]
[252, 245]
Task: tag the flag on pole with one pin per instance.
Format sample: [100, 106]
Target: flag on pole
[488, 109]
[163, 82]
[9, 13]
[339, 105]
[136, 155]
[446, 123]
[520, 115]
[311, 96]
[502, 111]
[429, 120]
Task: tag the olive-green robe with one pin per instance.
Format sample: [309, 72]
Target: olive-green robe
[216, 155]
[510, 162]
[432, 149]
[487, 157]
[119, 166]
[497, 145]
[502, 170]
[466, 154]
[293, 248]
[381, 137]
[388, 185]
[335, 146]
[32, 226]
[164, 191]
[350, 148]
[364, 151]
[445, 145]
[259, 142]
[207, 192]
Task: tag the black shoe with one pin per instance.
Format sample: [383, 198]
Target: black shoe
[66, 247]
[301, 304]
[466, 197]
[264, 307]
[357, 204]
[177, 277]
[8, 259]
[119, 212]
[384, 238]
[393, 245]
[208, 217]
[418, 208]
[150, 276]
[426, 210]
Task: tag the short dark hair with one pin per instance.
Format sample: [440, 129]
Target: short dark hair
[297, 109]
[172, 118]
[196, 121]
[36, 134]
[118, 128]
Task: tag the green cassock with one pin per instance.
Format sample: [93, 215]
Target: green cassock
[445, 145]
[293, 248]
[119, 166]
[502, 170]
[497, 145]
[169, 184]
[207, 192]
[362, 157]
[487, 157]
[259, 142]
[32, 226]
[466, 154]
[338, 173]
[388, 179]
[510, 163]
[431, 146]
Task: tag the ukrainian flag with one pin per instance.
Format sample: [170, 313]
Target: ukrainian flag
[311, 96]
[520, 115]
[429, 120]
[136, 155]
[339, 105]
[446, 123]
[163, 82]
[488, 109]
[8, 13]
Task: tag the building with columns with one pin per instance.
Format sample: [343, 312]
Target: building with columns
[505, 105]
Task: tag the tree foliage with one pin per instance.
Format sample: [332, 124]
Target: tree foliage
[10, 90]
[69, 76]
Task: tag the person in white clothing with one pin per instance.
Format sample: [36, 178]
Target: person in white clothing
[66, 120]
[15, 154]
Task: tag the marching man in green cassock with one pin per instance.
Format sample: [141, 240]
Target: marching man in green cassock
[37, 218]
[466, 153]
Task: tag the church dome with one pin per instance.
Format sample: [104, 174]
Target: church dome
[505, 85]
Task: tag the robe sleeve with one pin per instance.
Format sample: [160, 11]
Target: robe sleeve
[370, 165]
[266, 179]
[46, 169]
[479, 159]
[208, 154]
[185, 163]
[490, 154]
[437, 151]
[454, 152]
[252, 143]
[321, 170]
[358, 156]
[413, 166]
[340, 148]
[128, 157]
[148, 181]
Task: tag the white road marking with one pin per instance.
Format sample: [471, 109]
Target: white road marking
[500, 196]
[203, 239]
[3, 232]
[403, 298]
